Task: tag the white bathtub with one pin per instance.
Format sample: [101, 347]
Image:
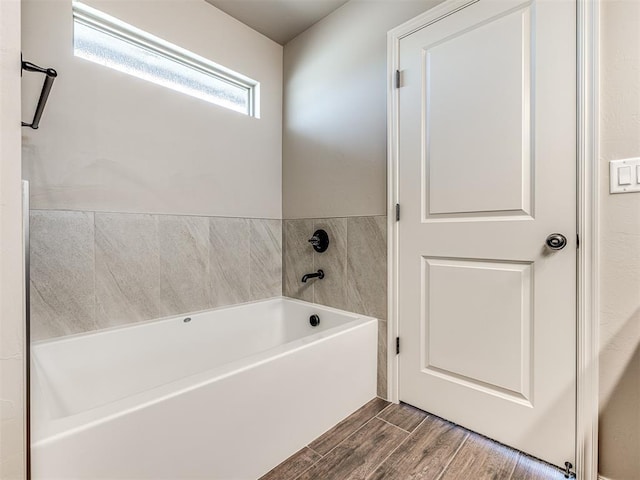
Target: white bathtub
[227, 395]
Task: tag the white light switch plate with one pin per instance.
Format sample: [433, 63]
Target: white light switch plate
[624, 175]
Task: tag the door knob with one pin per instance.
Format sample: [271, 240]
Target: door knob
[556, 241]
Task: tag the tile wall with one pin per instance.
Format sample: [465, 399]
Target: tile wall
[355, 265]
[93, 270]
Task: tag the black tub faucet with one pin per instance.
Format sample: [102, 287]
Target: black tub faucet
[319, 274]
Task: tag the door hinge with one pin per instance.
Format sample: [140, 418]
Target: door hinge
[397, 78]
[577, 241]
[397, 212]
[397, 345]
[568, 470]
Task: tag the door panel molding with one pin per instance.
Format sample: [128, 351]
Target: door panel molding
[476, 91]
[587, 42]
[506, 374]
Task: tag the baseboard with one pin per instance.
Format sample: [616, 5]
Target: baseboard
[600, 477]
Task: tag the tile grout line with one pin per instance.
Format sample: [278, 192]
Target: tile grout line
[348, 295]
[455, 454]
[159, 299]
[337, 445]
[309, 467]
[209, 269]
[351, 435]
[251, 247]
[394, 425]
[95, 274]
[515, 465]
[314, 451]
[345, 279]
[356, 431]
[446, 467]
[385, 408]
[198, 215]
[313, 262]
[397, 447]
[305, 470]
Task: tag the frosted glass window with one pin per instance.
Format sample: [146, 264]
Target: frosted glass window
[107, 41]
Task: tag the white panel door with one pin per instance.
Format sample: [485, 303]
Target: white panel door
[486, 173]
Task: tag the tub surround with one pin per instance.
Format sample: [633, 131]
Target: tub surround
[355, 263]
[331, 291]
[183, 244]
[265, 258]
[92, 270]
[127, 268]
[297, 258]
[62, 273]
[229, 239]
[355, 266]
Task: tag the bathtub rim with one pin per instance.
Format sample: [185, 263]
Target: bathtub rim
[168, 318]
[53, 429]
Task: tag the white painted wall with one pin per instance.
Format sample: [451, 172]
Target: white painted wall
[111, 142]
[12, 409]
[620, 245]
[335, 137]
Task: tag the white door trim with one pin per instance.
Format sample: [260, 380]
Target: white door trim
[588, 119]
[587, 44]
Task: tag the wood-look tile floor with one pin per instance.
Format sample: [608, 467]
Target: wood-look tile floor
[383, 441]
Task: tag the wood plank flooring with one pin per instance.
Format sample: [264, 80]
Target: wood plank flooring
[383, 441]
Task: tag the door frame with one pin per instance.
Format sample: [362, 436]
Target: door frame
[587, 148]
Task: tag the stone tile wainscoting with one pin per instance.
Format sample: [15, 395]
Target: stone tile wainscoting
[92, 270]
[355, 265]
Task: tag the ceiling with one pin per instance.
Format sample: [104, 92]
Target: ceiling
[280, 20]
